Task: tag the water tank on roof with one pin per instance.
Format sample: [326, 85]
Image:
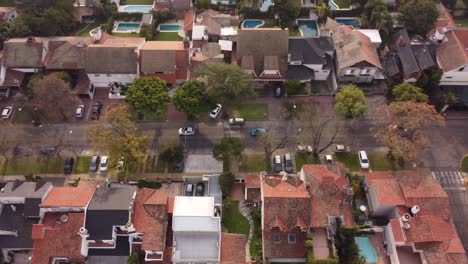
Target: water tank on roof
[406, 217]
[415, 209]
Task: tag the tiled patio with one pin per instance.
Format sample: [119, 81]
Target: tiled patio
[320, 244]
[377, 242]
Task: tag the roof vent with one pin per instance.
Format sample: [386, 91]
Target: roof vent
[63, 218]
[406, 217]
[415, 209]
[406, 225]
[83, 231]
[2, 190]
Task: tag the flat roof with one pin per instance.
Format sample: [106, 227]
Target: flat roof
[193, 206]
[198, 32]
[373, 34]
[225, 45]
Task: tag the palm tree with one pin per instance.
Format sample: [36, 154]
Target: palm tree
[323, 11]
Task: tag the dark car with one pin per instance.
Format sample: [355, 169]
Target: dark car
[68, 167]
[277, 166]
[94, 164]
[96, 111]
[288, 163]
[278, 91]
[189, 189]
[179, 167]
[200, 190]
[48, 151]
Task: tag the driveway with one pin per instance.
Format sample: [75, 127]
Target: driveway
[202, 164]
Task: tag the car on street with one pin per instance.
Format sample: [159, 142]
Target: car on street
[257, 131]
[104, 164]
[288, 163]
[96, 111]
[215, 112]
[303, 148]
[7, 111]
[179, 167]
[68, 166]
[79, 112]
[341, 148]
[363, 160]
[186, 131]
[189, 189]
[94, 164]
[236, 121]
[200, 189]
[277, 165]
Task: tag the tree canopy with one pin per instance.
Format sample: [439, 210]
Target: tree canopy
[408, 92]
[418, 16]
[288, 10]
[148, 94]
[350, 102]
[376, 15]
[228, 147]
[227, 84]
[189, 96]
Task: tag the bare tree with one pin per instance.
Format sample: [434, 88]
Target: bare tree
[10, 137]
[271, 141]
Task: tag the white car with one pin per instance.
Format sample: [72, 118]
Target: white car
[363, 160]
[186, 131]
[215, 112]
[79, 111]
[6, 113]
[104, 164]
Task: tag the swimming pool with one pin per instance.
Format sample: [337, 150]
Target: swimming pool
[170, 27]
[252, 23]
[127, 27]
[366, 250]
[349, 21]
[308, 28]
[136, 8]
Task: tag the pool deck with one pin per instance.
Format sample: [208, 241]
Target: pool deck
[377, 242]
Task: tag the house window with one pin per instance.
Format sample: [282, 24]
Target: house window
[276, 238]
[292, 238]
[96, 75]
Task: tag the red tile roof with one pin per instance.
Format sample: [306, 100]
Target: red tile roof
[453, 53]
[415, 185]
[397, 231]
[70, 196]
[170, 207]
[150, 217]
[188, 20]
[233, 248]
[445, 19]
[273, 186]
[37, 231]
[316, 173]
[429, 228]
[387, 188]
[283, 249]
[61, 239]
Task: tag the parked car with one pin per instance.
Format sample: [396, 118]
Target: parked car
[363, 160]
[278, 91]
[303, 148]
[48, 151]
[189, 189]
[186, 131]
[7, 111]
[96, 111]
[200, 190]
[215, 112]
[277, 165]
[104, 164]
[68, 167]
[341, 148]
[236, 121]
[179, 167]
[288, 163]
[257, 131]
[328, 159]
[79, 113]
[94, 164]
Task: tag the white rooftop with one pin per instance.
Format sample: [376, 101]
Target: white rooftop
[193, 206]
[228, 31]
[225, 45]
[198, 33]
[373, 34]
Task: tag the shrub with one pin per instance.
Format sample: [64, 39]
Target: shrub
[293, 87]
[226, 181]
[309, 243]
[148, 184]
[323, 261]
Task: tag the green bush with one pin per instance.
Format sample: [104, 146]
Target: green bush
[309, 243]
[323, 261]
[148, 184]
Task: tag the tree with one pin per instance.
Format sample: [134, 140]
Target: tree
[148, 94]
[18, 28]
[376, 15]
[407, 92]
[226, 181]
[171, 152]
[418, 16]
[287, 10]
[189, 96]
[293, 87]
[10, 137]
[227, 148]
[54, 98]
[203, 4]
[227, 84]
[350, 102]
[403, 128]
[323, 11]
[271, 141]
[133, 259]
[120, 138]
[347, 249]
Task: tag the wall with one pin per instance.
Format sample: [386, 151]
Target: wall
[104, 80]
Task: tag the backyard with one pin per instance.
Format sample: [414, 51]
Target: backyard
[256, 243]
[252, 163]
[251, 112]
[168, 36]
[464, 164]
[233, 221]
[343, 4]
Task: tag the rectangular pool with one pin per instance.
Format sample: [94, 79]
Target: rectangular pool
[366, 249]
[308, 28]
[170, 28]
[127, 27]
[349, 21]
[136, 8]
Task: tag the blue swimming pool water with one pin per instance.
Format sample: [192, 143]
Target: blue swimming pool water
[138, 9]
[366, 249]
[349, 22]
[169, 28]
[308, 28]
[252, 23]
[128, 27]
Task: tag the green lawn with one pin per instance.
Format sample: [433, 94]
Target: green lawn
[168, 36]
[162, 165]
[256, 243]
[84, 28]
[26, 116]
[252, 163]
[140, 2]
[251, 111]
[305, 158]
[263, 92]
[350, 159]
[294, 32]
[54, 165]
[464, 164]
[343, 3]
[380, 162]
[127, 35]
[151, 116]
[233, 221]
[462, 22]
[82, 164]
[5, 3]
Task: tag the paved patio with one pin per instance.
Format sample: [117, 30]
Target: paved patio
[320, 244]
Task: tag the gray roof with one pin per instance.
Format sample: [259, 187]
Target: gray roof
[423, 56]
[310, 50]
[19, 53]
[13, 220]
[390, 65]
[214, 189]
[196, 223]
[116, 197]
[67, 53]
[100, 223]
[25, 189]
[196, 246]
[300, 73]
[402, 45]
[111, 60]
